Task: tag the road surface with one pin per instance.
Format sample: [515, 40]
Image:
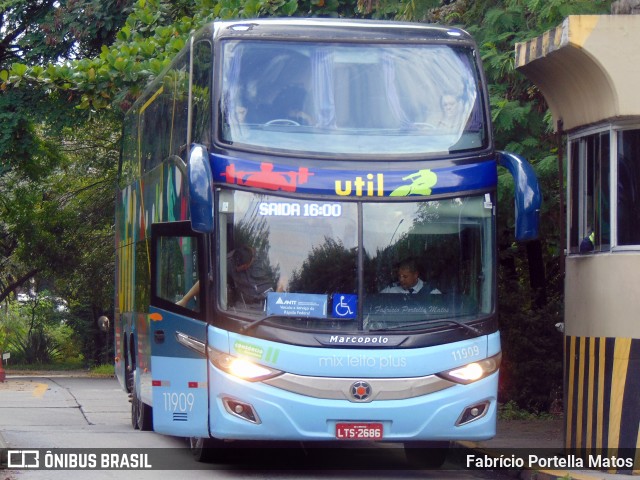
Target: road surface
[76, 420]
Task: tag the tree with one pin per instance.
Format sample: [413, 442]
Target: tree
[58, 228]
[38, 32]
[57, 163]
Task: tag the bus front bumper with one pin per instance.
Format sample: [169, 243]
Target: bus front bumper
[257, 411]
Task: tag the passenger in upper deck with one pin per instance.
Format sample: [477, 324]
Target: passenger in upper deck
[240, 113]
[450, 106]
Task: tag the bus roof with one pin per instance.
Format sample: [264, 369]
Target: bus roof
[337, 30]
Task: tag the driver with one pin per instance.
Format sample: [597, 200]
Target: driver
[289, 105]
[409, 281]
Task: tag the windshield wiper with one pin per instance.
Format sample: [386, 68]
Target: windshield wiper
[249, 326]
[473, 330]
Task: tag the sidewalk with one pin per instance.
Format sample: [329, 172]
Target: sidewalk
[544, 437]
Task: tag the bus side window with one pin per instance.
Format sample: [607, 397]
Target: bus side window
[202, 72]
[176, 271]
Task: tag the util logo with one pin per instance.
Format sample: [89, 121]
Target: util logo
[373, 186]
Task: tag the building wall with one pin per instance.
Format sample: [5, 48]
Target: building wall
[602, 352]
[585, 68]
[602, 295]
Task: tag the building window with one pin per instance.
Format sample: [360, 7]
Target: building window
[628, 216]
[589, 171]
[593, 168]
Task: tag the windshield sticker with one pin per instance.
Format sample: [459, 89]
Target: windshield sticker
[297, 304]
[345, 305]
[256, 351]
[248, 349]
[408, 309]
[267, 178]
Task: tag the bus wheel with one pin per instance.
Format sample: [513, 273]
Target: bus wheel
[207, 449]
[426, 454]
[141, 413]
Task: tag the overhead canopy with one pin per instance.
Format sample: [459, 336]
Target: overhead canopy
[587, 68]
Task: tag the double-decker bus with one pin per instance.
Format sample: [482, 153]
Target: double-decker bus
[305, 238]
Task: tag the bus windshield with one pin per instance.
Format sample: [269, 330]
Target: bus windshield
[350, 99]
[355, 266]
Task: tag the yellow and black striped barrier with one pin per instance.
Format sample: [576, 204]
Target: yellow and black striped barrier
[602, 394]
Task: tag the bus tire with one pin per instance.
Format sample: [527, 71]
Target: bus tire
[141, 413]
[429, 455]
[207, 449]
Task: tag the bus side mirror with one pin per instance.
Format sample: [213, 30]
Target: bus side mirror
[528, 198]
[200, 190]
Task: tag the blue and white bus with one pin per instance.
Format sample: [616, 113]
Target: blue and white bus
[305, 239]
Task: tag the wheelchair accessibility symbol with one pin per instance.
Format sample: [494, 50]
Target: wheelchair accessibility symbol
[345, 305]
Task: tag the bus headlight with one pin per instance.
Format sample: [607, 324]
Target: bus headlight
[472, 372]
[241, 367]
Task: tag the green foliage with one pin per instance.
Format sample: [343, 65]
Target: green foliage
[511, 411]
[35, 331]
[333, 8]
[519, 111]
[41, 31]
[93, 345]
[20, 146]
[59, 227]
[34, 347]
[531, 372]
[105, 370]
[413, 10]
[61, 365]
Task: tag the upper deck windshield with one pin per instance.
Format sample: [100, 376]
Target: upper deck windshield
[302, 264]
[351, 99]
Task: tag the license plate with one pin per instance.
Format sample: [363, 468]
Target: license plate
[359, 431]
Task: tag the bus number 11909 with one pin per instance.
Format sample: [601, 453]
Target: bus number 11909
[178, 402]
[466, 353]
